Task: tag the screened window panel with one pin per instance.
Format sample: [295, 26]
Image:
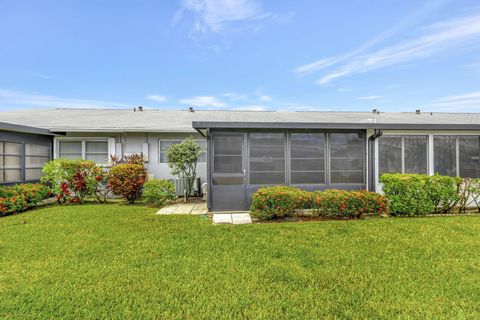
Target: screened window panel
[267, 158]
[347, 158]
[415, 153]
[35, 162]
[469, 156]
[96, 151]
[12, 148]
[228, 160]
[12, 175]
[1, 147]
[37, 150]
[12, 162]
[390, 155]
[164, 144]
[33, 174]
[307, 158]
[445, 155]
[70, 149]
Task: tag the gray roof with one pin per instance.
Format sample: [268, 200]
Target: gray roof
[155, 120]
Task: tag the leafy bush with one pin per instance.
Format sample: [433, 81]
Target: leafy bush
[349, 204]
[21, 197]
[417, 194]
[72, 180]
[279, 201]
[159, 192]
[126, 180]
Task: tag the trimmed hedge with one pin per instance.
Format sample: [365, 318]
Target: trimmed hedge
[348, 204]
[418, 194]
[20, 197]
[282, 201]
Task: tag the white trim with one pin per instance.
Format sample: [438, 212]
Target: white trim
[83, 140]
[430, 156]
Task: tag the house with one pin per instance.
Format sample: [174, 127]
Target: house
[249, 149]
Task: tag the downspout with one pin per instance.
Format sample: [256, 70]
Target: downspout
[371, 158]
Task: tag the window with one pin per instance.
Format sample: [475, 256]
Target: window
[347, 158]
[267, 158]
[96, 150]
[403, 154]
[469, 156]
[445, 155]
[164, 144]
[307, 158]
[36, 156]
[10, 162]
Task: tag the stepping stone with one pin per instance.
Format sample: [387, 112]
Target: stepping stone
[241, 218]
[222, 218]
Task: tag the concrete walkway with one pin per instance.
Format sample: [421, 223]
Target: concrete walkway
[185, 208]
[232, 218]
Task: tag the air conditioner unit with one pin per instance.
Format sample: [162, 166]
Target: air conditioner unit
[180, 187]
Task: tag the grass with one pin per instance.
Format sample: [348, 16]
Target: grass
[116, 261]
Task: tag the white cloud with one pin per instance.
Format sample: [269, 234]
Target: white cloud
[215, 15]
[233, 96]
[419, 14]
[370, 97]
[467, 101]
[156, 98]
[262, 96]
[19, 99]
[203, 101]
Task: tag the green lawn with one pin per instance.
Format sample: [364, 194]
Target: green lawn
[117, 261]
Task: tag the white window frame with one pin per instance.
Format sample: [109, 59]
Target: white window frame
[84, 140]
[179, 141]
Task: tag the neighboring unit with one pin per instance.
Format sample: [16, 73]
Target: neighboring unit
[247, 149]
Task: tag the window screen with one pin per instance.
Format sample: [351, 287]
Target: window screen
[389, 155]
[469, 156]
[96, 151]
[10, 162]
[445, 155]
[347, 154]
[227, 159]
[35, 157]
[267, 158]
[70, 149]
[415, 153]
[164, 144]
[307, 158]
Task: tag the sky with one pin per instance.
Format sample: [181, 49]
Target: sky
[304, 55]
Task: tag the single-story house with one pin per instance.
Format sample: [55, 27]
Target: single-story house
[249, 149]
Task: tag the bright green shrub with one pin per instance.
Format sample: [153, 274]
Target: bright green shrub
[349, 204]
[159, 192]
[408, 194]
[126, 180]
[21, 197]
[277, 202]
[72, 180]
[444, 191]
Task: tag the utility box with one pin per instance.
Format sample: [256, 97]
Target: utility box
[180, 187]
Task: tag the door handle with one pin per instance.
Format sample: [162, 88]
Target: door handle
[244, 172]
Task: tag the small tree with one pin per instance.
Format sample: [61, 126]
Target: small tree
[182, 159]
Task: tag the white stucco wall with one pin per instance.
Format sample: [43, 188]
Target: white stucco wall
[132, 143]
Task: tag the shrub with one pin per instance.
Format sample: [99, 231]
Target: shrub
[408, 194]
[72, 180]
[126, 180]
[348, 204]
[21, 197]
[159, 192]
[280, 201]
[445, 192]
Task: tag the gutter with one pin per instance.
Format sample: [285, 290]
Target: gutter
[371, 158]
